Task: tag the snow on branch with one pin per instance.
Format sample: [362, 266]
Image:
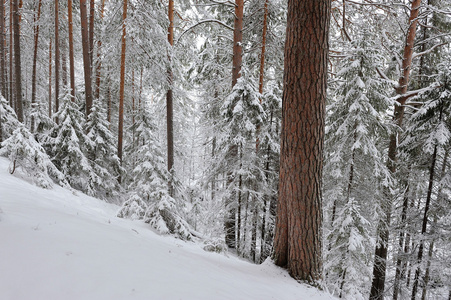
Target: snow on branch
[202, 22]
[415, 55]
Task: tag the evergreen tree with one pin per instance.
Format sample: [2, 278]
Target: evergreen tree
[68, 148]
[102, 152]
[149, 197]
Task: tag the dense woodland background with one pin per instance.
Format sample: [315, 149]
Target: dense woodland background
[90, 92]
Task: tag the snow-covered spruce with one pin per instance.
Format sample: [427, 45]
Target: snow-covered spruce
[68, 148]
[25, 153]
[101, 152]
[8, 119]
[149, 199]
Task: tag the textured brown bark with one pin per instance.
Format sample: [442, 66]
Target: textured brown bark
[17, 62]
[35, 57]
[298, 236]
[57, 59]
[169, 99]
[71, 49]
[2, 51]
[86, 53]
[122, 84]
[381, 252]
[99, 54]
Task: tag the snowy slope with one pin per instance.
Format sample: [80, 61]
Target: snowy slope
[57, 245]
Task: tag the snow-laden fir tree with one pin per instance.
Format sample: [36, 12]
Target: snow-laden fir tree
[355, 171]
[27, 154]
[149, 198]
[241, 115]
[427, 143]
[101, 150]
[8, 119]
[68, 144]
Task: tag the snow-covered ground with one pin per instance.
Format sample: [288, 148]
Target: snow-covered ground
[57, 245]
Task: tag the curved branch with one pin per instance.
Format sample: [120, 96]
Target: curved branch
[202, 22]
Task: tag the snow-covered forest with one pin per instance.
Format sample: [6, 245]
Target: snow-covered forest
[172, 112]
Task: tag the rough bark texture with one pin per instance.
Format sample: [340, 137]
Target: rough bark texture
[17, 62]
[169, 99]
[122, 84]
[86, 53]
[379, 268]
[57, 60]
[71, 50]
[297, 243]
[35, 58]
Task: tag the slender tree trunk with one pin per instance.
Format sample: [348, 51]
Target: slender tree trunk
[122, 84]
[50, 78]
[169, 99]
[253, 250]
[400, 261]
[230, 220]
[91, 33]
[425, 221]
[57, 59]
[99, 54]
[298, 236]
[263, 50]
[86, 53]
[17, 62]
[108, 95]
[35, 58]
[11, 58]
[237, 41]
[264, 238]
[71, 49]
[381, 252]
[64, 62]
[2, 51]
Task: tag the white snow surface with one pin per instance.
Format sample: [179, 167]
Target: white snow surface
[55, 244]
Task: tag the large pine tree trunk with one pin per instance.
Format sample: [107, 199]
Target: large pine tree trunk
[35, 58]
[86, 53]
[381, 252]
[71, 49]
[122, 84]
[169, 99]
[17, 62]
[298, 236]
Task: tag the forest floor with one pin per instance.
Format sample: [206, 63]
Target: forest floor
[56, 244]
